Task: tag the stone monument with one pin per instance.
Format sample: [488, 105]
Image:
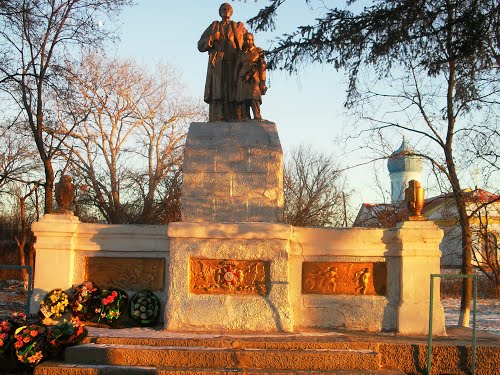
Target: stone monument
[230, 254]
[233, 167]
[231, 265]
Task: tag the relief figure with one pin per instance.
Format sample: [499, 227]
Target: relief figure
[362, 278]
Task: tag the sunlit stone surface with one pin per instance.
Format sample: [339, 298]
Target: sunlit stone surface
[232, 172]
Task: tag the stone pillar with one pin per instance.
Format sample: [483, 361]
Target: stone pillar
[55, 235]
[419, 256]
[232, 172]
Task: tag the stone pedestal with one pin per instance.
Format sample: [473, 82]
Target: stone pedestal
[229, 308]
[232, 172]
[419, 256]
[55, 235]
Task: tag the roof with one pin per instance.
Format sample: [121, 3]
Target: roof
[404, 160]
[387, 215]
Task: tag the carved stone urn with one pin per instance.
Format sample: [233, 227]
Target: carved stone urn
[65, 194]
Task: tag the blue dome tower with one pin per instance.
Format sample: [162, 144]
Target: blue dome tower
[403, 167]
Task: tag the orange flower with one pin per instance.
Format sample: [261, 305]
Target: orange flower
[18, 344]
[35, 357]
[26, 340]
[34, 333]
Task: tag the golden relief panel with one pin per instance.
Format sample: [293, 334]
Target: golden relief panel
[126, 273]
[344, 278]
[216, 276]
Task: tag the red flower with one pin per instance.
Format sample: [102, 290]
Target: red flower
[34, 333]
[18, 344]
[26, 340]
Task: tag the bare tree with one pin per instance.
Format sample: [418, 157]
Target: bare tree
[25, 238]
[131, 137]
[19, 181]
[35, 35]
[486, 246]
[16, 158]
[167, 114]
[314, 190]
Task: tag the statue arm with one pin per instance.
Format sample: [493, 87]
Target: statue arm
[206, 42]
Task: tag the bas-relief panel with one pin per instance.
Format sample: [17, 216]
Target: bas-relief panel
[344, 278]
[216, 276]
[126, 273]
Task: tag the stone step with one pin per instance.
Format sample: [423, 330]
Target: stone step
[57, 368]
[238, 343]
[214, 357]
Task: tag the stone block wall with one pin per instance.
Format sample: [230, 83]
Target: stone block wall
[130, 257]
[232, 172]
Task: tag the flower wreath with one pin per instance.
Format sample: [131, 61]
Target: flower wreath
[113, 306]
[84, 300]
[31, 344]
[65, 334]
[144, 308]
[54, 305]
[7, 329]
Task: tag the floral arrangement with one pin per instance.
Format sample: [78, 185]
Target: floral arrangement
[54, 305]
[144, 307]
[65, 334]
[6, 336]
[113, 305]
[17, 319]
[31, 344]
[85, 300]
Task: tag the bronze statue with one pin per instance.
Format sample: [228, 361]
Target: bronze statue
[250, 77]
[223, 40]
[65, 194]
[414, 198]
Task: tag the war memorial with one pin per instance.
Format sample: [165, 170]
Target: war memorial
[240, 291]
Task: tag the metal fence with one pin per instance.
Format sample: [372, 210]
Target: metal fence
[30, 283]
[474, 299]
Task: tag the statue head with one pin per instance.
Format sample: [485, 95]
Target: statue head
[248, 40]
[226, 10]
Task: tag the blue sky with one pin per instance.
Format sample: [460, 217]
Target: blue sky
[308, 108]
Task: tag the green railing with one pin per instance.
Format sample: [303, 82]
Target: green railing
[474, 298]
[30, 283]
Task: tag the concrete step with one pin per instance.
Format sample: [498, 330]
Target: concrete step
[215, 357]
[57, 368]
